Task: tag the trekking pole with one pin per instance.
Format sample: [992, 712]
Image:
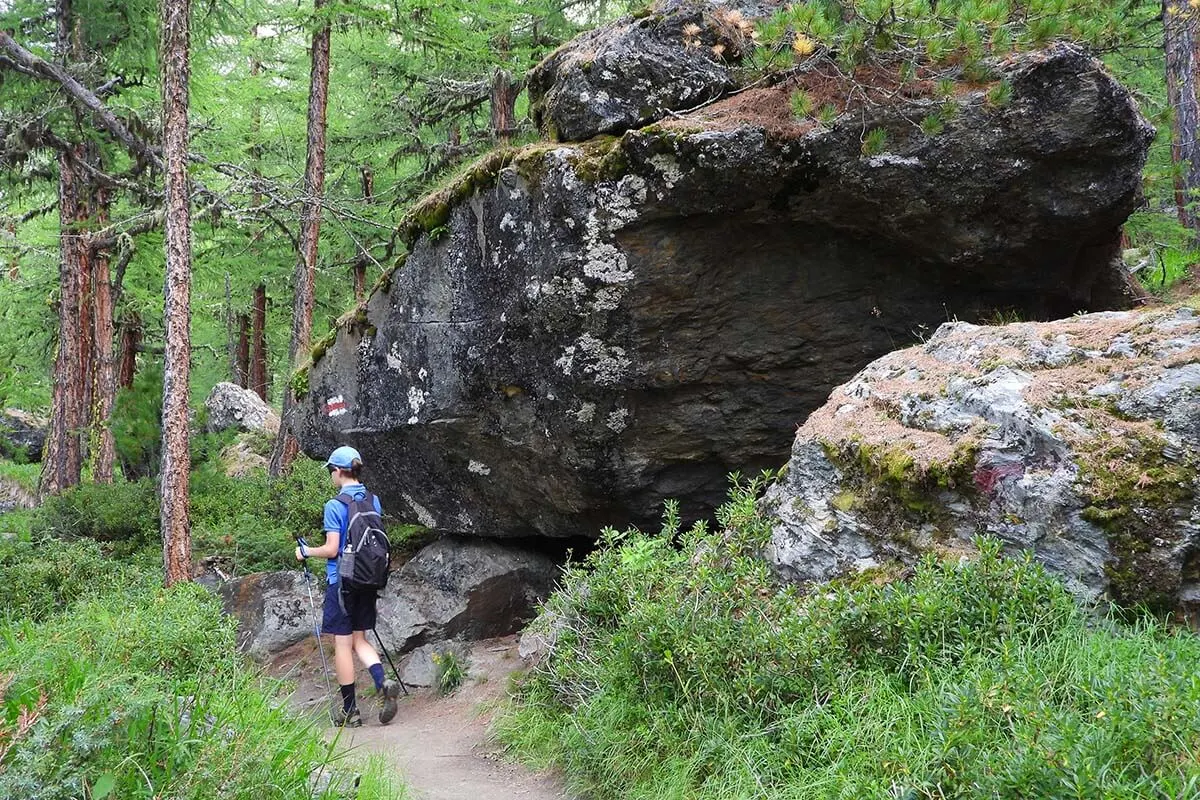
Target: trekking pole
[312, 610]
[388, 656]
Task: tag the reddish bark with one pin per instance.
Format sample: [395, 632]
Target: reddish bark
[504, 105]
[175, 524]
[286, 447]
[360, 280]
[131, 340]
[103, 448]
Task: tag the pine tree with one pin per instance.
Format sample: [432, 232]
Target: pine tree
[174, 57]
[286, 447]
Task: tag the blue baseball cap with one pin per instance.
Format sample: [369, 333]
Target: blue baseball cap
[343, 457]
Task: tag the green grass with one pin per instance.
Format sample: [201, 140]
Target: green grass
[139, 693]
[682, 669]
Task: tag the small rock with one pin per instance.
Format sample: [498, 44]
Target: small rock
[231, 406]
[22, 435]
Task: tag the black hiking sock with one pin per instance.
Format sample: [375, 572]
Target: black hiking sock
[376, 671]
[348, 697]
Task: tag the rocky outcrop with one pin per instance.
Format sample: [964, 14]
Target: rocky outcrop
[272, 610]
[22, 435]
[1077, 441]
[230, 406]
[465, 590]
[580, 332]
[633, 71]
[451, 591]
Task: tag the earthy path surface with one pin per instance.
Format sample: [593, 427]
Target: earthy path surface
[440, 745]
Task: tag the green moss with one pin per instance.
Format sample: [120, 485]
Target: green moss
[322, 345]
[846, 501]
[299, 381]
[1137, 497]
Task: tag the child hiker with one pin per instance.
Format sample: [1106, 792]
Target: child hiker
[349, 619]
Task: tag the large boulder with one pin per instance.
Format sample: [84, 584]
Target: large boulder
[230, 406]
[22, 435]
[463, 589]
[1077, 441]
[633, 71]
[580, 332]
[272, 610]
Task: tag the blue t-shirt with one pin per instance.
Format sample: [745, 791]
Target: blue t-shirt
[337, 517]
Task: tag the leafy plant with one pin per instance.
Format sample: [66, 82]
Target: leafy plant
[802, 104]
[450, 671]
[875, 142]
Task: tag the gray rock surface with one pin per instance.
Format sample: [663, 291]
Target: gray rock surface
[231, 406]
[631, 72]
[462, 589]
[22, 435]
[1078, 441]
[587, 330]
[272, 610]
[420, 669]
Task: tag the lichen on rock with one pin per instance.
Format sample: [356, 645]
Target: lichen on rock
[614, 323]
[1078, 440]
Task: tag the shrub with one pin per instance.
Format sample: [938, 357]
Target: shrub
[682, 669]
[140, 694]
[122, 514]
[39, 579]
[450, 671]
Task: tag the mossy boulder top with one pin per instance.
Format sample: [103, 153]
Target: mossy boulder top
[582, 331]
[1077, 440]
[633, 71]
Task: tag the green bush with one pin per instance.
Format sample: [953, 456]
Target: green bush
[254, 520]
[141, 694]
[41, 578]
[682, 669]
[122, 514]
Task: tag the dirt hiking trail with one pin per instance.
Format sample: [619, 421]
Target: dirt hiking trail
[439, 745]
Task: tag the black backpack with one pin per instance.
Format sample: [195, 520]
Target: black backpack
[366, 552]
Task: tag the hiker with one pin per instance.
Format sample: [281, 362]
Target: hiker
[349, 617]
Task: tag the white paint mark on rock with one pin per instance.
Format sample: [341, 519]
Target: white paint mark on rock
[479, 468]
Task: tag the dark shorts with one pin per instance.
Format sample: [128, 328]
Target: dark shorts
[358, 616]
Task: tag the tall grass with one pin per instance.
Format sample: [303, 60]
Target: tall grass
[681, 669]
[139, 693]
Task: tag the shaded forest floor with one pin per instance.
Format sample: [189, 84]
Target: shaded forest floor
[440, 746]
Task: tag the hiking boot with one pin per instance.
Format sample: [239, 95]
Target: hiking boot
[347, 719]
[389, 692]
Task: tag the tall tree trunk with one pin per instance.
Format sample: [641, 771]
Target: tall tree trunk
[1179, 46]
[241, 373]
[504, 105]
[175, 526]
[286, 447]
[131, 340]
[63, 459]
[360, 279]
[103, 448]
[258, 356]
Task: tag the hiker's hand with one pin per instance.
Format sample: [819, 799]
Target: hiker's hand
[299, 555]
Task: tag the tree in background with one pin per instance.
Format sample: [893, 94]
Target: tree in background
[173, 56]
[286, 447]
[1179, 47]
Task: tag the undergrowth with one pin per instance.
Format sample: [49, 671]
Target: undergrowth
[682, 669]
[139, 693]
